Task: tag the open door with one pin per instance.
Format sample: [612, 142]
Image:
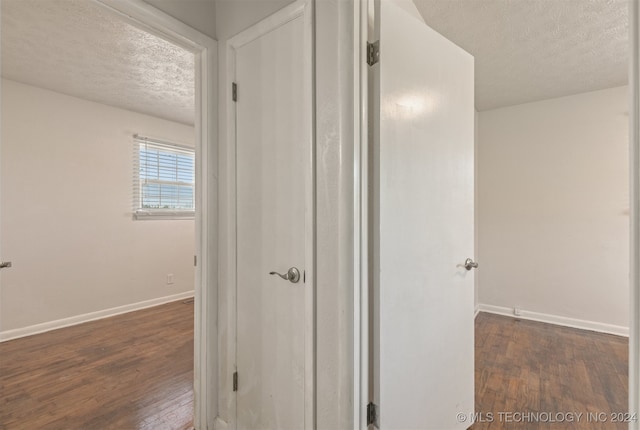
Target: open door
[423, 117]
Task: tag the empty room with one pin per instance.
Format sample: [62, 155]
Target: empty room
[551, 207]
[98, 216]
[313, 214]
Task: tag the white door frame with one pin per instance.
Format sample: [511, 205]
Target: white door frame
[361, 380]
[361, 311]
[204, 48]
[634, 207]
[294, 10]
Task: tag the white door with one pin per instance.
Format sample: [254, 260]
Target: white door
[274, 230]
[424, 165]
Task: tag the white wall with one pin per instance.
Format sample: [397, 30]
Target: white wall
[553, 210]
[334, 200]
[334, 152]
[66, 210]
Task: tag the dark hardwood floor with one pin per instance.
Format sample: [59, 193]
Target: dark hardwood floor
[135, 371]
[530, 367]
[131, 371]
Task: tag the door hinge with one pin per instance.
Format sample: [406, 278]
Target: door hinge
[234, 91]
[235, 381]
[372, 414]
[195, 260]
[373, 52]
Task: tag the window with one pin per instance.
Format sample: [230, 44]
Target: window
[163, 180]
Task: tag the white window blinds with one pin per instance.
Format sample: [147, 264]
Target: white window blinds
[164, 177]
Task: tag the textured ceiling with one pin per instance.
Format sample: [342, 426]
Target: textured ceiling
[528, 50]
[525, 50]
[78, 48]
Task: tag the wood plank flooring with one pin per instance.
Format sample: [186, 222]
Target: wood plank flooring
[131, 371]
[525, 366]
[135, 371]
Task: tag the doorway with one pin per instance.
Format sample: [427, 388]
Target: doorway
[362, 334]
[203, 49]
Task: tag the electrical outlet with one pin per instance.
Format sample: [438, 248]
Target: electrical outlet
[516, 311]
[170, 279]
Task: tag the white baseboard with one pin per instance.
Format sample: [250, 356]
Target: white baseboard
[557, 320]
[476, 311]
[91, 316]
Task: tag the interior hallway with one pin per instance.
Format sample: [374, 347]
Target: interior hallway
[131, 371]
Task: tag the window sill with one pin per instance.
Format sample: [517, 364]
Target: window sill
[163, 215]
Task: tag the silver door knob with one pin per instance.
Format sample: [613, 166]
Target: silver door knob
[470, 264]
[5, 264]
[292, 275]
